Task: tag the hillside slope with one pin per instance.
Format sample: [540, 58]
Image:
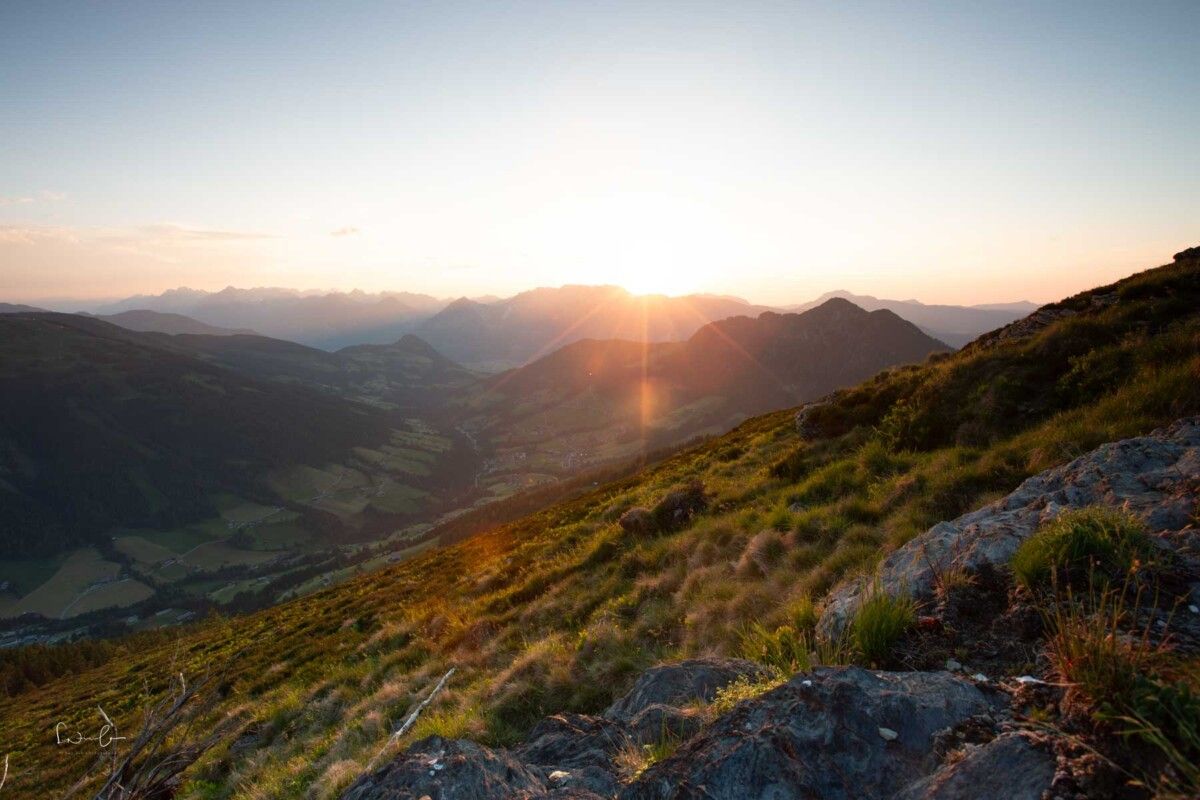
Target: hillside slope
[102, 428]
[406, 374]
[563, 610]
[594, 401]
[165, 322]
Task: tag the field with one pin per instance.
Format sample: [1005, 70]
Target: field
[119, 594]
[23, 575]
[83, 582]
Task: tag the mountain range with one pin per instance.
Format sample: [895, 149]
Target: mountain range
[322, 319]
[954, 325]
[169, 458]
[493, 334]
[511, 332]
[597, 399]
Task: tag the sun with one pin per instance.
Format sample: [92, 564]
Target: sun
[655, 281]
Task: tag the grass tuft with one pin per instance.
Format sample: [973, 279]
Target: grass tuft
[878, 625]
[1107, 541]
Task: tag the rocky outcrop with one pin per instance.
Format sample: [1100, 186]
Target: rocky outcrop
[681, 683]
[833, 734]
[658, 722]
[574, 751]
[836, 733]
[447, 769]
[1155, 477]
[1009, 766]
[804, 423]
[677, 507]
[671, 513]
[565, 755]
[1191, 254]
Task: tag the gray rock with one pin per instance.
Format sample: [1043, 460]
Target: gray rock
[571, 793]
[583, 747]
[818, 737]
[448, 769]
[804, 425]
[1152, 476]
[681, 683]
[1008, 766]
[657, 722]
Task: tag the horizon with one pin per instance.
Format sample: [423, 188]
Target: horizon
[70, 305]
[766, 151]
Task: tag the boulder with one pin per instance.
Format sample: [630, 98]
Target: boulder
[637, 520]
[833, 734]
[804, 423]
[1191, 254]
[677, 507]
[1009, 766]
[1152, 476]
[681, 683]
[575, 751]
[658, 722]
[449, 769]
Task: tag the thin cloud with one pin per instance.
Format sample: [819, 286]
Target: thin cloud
[26, 234]
[44, 196]
[347, 231]
[172, 232]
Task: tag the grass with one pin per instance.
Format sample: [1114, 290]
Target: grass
[1127, 679]
[744, 688]
[632, 761]
[879, 623]
[1082, 542]
[560, 609]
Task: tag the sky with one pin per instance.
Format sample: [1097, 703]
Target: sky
[951, 152]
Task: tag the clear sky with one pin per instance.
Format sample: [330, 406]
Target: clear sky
[955, 152]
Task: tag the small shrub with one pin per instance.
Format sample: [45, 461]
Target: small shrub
[803, 613]
[1109, 541]
[780, 519]
[876, 458]
[879, 623]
